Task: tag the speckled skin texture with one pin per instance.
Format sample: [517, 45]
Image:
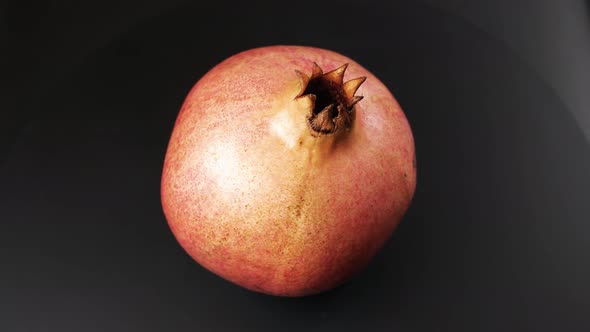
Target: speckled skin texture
[254, 197]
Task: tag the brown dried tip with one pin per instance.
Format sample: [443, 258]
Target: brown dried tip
[333, 100]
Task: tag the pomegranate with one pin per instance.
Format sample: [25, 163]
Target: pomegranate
[280, 177]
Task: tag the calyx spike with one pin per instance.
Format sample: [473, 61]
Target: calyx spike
[316, 71]
[336, 75]
[355, 100]
[351, 86]
[323, 121]
[304, 81]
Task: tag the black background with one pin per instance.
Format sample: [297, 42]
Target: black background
[497, 236]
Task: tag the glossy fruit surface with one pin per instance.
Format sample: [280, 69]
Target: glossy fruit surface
[280, 177]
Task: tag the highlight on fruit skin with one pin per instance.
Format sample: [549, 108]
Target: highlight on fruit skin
[279, 178]
[333, 100]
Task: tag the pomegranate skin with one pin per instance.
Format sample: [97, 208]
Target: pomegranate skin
[255, 197]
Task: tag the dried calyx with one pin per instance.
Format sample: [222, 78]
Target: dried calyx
[333, 100]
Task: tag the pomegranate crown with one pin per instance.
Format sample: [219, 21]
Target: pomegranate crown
[333, 99]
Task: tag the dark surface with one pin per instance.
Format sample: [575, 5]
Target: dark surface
[496, 239]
